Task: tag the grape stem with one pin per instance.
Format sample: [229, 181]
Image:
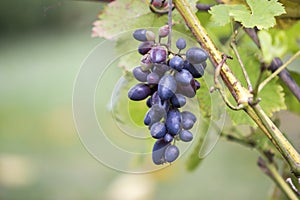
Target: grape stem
[240, 93]
[170, 6]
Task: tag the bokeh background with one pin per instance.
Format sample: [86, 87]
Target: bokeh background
[42, 45]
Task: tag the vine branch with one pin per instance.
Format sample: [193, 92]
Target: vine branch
[240, 93]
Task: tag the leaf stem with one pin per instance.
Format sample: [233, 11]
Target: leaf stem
[234, 48]
[267, 80]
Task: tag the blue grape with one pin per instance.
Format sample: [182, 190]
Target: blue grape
[178, 100]
[168, 138]
[158, 151]
[145, 47]
[184, 77]
[188, 120]
[158, 54]
[158, 130]
[173, 121]
[143, 35]
[152, 78]
[161, 69]
[140, 75]
[176, 63]
[139, 92]
[171, 153]
[186, 90]
[197, 73]
[185, 136]
[166, 87]
[181, 43]
[155, 114]
[196, 55]
[197, 84]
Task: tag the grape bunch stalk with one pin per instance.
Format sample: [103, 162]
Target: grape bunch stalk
[166, 80]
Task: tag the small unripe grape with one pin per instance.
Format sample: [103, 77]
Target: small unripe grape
[164, 31]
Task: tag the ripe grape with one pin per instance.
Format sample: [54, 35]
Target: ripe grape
[143, 35]
[168, 138]
[140, 75]
[185, 136]
[173, 122]
[158, 130]
[171, 153]
[158, 54]
[158, 151]
[186, 90]
[166, 87]
[168, 79]
[176, 63]
[196, 55]
[188, 120]
[184, 77]
[139, 92]
[181, 43]
[178, 100]
[145, 47]
[152, 78]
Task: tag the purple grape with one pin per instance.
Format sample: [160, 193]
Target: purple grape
[185, 136]
[196, 55]
[164, 31]
[158, 151]
[184, 77]
[140, 75]
[152, 78]
[145, 47]
[158, 54]
[173, 121]
[166, 87]
[176, 63]
[158, 130]
[186, 90]
[181, 43]
[139, 92]
[178, 100]
[171, 153]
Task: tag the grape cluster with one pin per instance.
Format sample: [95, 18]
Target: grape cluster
[167, 79]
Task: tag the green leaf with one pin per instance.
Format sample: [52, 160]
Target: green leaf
[261, 14]
[123, 15]
[272, 47]
[272, 95]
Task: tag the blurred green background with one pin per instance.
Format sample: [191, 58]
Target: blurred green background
[42, 45]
